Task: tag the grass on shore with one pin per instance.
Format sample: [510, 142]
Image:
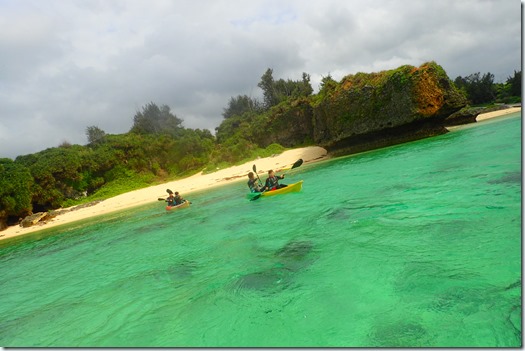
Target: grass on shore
[135, 181]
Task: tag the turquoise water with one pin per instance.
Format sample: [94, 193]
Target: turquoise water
[413, 245]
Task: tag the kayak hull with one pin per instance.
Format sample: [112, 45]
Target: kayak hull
[291, 188]
[178, 207]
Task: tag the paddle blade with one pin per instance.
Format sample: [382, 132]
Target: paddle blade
[297, 163]
[169, 191]
[161, 199]
[254, 169]
[255, 197]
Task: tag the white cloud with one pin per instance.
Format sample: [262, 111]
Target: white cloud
[67, 65]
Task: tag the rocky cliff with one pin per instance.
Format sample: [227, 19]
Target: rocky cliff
[366, 111]
[370, 110]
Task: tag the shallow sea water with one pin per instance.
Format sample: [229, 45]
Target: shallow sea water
[416, 245]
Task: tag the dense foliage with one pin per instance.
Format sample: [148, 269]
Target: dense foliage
[481, 89]
[158, 148]
[15, 190]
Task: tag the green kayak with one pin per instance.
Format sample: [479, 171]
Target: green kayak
[295, 187]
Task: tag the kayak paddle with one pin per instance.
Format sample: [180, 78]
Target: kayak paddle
[255, 171]
[260, 183]
[297, 163]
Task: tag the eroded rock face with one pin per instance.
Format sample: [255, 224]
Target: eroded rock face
[385, 108]
[368, 110]
[469, 114]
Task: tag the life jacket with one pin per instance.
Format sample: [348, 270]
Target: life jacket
[272, 183]
[254, 186]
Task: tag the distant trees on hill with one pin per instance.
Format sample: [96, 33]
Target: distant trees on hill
[481, 89]
[156, 120]
[95, 134]
[275, 92]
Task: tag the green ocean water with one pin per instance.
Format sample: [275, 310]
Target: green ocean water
[416, 245]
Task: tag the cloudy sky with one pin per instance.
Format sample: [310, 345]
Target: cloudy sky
[67, 65]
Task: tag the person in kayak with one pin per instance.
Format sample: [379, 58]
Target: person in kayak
[171, 198]
[254, 184]
[178, 198]
[272, 182]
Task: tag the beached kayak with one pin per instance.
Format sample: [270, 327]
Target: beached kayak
[182, 205]
[289, 189]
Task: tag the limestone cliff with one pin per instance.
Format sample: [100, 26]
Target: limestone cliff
[366, 111]
[289, 124]
[361, 112]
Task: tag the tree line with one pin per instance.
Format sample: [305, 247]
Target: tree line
[158, 148]
[481, 89]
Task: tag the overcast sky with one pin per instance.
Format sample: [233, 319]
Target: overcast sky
[67, 65]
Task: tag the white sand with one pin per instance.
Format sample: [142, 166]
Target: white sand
[488, 115]
[184, 186]
[484, 116]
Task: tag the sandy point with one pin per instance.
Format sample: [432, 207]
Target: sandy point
[499, 113]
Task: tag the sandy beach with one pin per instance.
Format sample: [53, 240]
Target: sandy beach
[184, 186]
[488, 115]
[195, 183]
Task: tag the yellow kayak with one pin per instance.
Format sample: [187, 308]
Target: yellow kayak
[182, 205]
[295, 187]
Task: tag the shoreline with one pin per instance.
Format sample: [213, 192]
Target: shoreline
[499, 113]
[197, 182]
[185, 186]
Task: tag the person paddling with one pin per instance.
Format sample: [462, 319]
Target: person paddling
[178, 199]
[171, 198]
[254, 184]
[174, 199]
[272, 182]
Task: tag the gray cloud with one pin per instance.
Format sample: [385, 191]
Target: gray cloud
[66, 65]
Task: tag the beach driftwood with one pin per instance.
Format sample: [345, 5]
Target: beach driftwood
[32, 219]
[45, 216]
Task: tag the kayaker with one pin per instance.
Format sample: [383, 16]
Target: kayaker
[171, 199]
[254, 184]
[272, 182]
[178, 198]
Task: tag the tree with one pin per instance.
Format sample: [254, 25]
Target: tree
[15, 191]
[479, 89]
[328, 85]
[305, 88]
[155, 120]
[267, 85]
[95, 135]
[515, 84]
[237, 106]
[57, 173]
[275, 92]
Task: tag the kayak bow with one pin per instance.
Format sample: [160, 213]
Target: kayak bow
[295, 187]
[182, 205]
